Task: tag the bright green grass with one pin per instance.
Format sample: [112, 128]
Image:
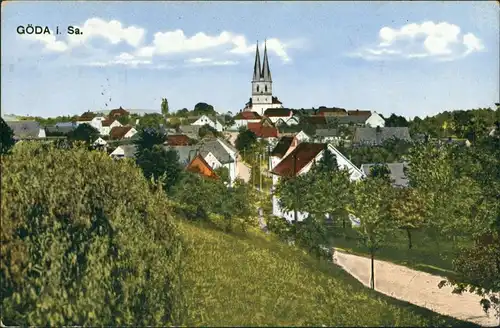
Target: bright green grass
[253, 280]
[430, 254]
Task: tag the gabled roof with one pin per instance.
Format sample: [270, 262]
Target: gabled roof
[327, 132]
[108, 122]
[118, 132]
[397, 173]
[282, 146]
[187, 153]
[190, 129]
[315, 120]
[118, 112]
[248, 115]
[24, 129]
[354, 119]
[298, 158]
[322, 110]
[378, 135]
[278, 112]
[178, 140]
[128, 150]
[262, 131]
[87, 116]
[200, 166]
[358, 112]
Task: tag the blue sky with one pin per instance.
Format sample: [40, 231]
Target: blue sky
[411, 58]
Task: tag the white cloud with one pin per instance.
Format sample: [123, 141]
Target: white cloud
[200, 61]
[442, 41]
[124, 59]
[163, 43]
[172, 42]
[113, 31]
[48, 40]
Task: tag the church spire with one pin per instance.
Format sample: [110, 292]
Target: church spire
[256, 67]
[266, 72]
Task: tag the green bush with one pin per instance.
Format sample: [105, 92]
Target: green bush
[280, 227]
[85, 241]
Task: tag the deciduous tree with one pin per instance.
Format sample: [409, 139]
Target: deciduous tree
[6, 137]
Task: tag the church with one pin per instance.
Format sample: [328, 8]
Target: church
[262, 86]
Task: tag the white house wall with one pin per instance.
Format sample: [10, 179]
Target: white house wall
[375, 120]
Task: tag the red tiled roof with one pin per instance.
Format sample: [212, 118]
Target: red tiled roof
[118, 132]
[323, 110]
[358, 112]
[282, 146]
[263, 131]
[276, 101]
[178, 140]
[200, 166]
[85, 117]
[107, 122]
[315, 119]
[302, 155]
[278, 112]
[248, 116]
[118, 112]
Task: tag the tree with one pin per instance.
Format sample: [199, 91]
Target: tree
[327, 163]
[223, 174]
[6, 137]
[202, 108]
[151, 121]
[396, 121]
[207, 131]
[100, 248]
[381, 171]
[164, 109]
[290, 192]
[147, 138]
[157, 162]
[371, 206]
[408, 210]
[84, 132]
[245, 140]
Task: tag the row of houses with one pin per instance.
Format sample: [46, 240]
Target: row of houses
[296, 155]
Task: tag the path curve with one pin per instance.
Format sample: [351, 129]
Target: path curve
[416, 287]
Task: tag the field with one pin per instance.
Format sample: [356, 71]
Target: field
[252, 279]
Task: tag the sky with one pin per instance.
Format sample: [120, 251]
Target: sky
[409, 58]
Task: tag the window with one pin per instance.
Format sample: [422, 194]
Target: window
[266, 88]
[257, 88]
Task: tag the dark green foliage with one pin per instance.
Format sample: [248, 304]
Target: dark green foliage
[84, 132]
[207, 131]
[151, 121]
[245, 140]
[312, 235]
[204, 109]
[157, 161]
[223, 174]
[381, 171]
[327, 163]
[390, 151]
[147, 138]
[396, 121]
[85, 241]
[6, 137]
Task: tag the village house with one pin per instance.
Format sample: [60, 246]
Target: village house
[333, 111]
[178, 140]
[212, 122]
[200, 166]
[107, 125]
[275, 114]
[243, 118]
[124, 151]
[270, 134]
[300, 161]
[117, 113]
[26, 130]
[328, 136]
[122, 132]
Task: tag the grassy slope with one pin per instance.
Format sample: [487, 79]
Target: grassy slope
[255, 280]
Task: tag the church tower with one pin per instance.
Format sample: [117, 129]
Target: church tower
[262, 84]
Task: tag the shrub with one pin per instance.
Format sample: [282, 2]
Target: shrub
[85, 241]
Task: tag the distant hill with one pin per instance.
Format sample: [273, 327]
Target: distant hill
[140, 112]
[9, 117]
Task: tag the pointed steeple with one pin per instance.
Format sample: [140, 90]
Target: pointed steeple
[256, 66]
[266, 72]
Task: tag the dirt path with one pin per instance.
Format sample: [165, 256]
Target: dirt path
[416, 287]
